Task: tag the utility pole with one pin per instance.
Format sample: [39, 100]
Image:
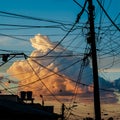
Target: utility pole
[92, 42]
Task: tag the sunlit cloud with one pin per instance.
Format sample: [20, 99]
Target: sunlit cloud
[47, 75]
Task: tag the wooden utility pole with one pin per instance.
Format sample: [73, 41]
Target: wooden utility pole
[94, 61]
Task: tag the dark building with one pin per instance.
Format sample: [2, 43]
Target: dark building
[13, 107]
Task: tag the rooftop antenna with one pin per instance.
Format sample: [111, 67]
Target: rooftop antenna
[42, 100]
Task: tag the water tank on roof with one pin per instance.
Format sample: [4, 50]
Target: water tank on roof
[23, 95]
[29, 95]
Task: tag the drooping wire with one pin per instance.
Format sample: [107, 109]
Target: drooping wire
[77, 20]
[108, 15]
[42, 82]
[79, 5]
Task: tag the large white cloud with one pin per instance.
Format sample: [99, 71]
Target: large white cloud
[48, 74]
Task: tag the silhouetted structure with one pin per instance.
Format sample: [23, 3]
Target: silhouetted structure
[13, 107]
[26, 96]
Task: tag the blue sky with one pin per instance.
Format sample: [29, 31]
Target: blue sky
[56, 17]
[64, 11]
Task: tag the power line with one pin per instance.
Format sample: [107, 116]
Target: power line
[80, 5]
[29, 17]
[108, 16]
[14, 37]
[77, 20]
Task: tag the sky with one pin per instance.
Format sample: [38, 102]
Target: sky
[55, 60]
[47, 28]
[61, 11]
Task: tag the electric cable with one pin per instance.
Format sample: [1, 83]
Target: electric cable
[108, 16]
